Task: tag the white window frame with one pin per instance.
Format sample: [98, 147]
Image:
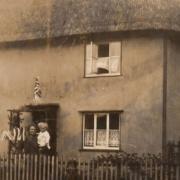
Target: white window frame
[96, 147]
[91, 58]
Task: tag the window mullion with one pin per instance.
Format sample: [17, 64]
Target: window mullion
[95, 128]
[107, 131]
[91, 57]
[83, 129]
[109, 58]
[119, 131]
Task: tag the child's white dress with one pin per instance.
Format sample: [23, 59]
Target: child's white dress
[43, 139]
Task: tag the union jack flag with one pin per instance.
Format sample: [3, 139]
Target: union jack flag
[37, 90]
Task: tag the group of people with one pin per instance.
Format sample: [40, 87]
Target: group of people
[37, 142]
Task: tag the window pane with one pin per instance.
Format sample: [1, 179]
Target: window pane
[101, 138]
[91, 58]
[88, 67]
[102, 65]
[103, 50]
[114, 65]
[88, 51]
[114, 129]
[101, 121]
[114, 120]
[38, 116]
[113, 138]
[89, 121]
[88, 137]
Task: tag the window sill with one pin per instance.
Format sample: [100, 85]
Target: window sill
[102, 75]
[99, 150]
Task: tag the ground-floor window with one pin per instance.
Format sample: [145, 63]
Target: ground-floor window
[101, 130]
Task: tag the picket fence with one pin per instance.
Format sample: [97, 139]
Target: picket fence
[42, 167]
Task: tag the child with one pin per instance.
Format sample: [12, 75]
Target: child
[43, 138]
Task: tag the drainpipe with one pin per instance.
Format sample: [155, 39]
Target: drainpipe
[164, 110]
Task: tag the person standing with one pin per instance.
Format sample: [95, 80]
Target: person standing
[43, 138]
[30, 143]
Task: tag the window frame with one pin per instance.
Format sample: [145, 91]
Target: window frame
[96, 147]
[109, 74]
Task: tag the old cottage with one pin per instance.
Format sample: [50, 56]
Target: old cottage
[108, 70]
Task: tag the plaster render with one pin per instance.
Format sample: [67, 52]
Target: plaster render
[138, 91]
[173, 86]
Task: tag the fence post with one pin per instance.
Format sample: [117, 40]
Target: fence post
[3, 168]
[61, 168]
[177, 172]
[161, 170]
[83, 169]
[52, 168]
[93, 177]
[107, 170]
[145, 168]
[0, 168]
[10, 166]
[116, 173]
[31, 166]
[35, 167]
[101, 170]
[44, 172]
[57, 168]
[40, 166]
[97, 170]
[7, 168]
[156, 171]
[48, 167]
[88, 170]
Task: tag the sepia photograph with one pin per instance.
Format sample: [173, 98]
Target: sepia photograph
[89, 90]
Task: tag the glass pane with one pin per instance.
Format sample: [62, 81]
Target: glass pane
[114, 138]
[115, 64]
[88, 67]
[102, 65]
[114, 120]
[89, 121]
[94, 51]
[39, 116]
[94, 68]
[103, 50]
[101, 138]
[88, 137]
[101, 121]
[88, 51]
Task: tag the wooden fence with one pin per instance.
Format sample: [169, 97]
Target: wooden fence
[126, 167]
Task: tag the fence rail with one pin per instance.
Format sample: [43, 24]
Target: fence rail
[120, 167]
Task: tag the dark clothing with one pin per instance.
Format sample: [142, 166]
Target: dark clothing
[44, 150]
[30, 145]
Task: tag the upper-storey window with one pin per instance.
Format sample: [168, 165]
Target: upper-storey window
[103, 59]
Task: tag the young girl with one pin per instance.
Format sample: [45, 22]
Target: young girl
[43, 138]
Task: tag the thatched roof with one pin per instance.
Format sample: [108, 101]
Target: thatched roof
[33, 19]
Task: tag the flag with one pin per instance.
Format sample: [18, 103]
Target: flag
[37, 90]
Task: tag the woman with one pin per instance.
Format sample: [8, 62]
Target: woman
[30, 143]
